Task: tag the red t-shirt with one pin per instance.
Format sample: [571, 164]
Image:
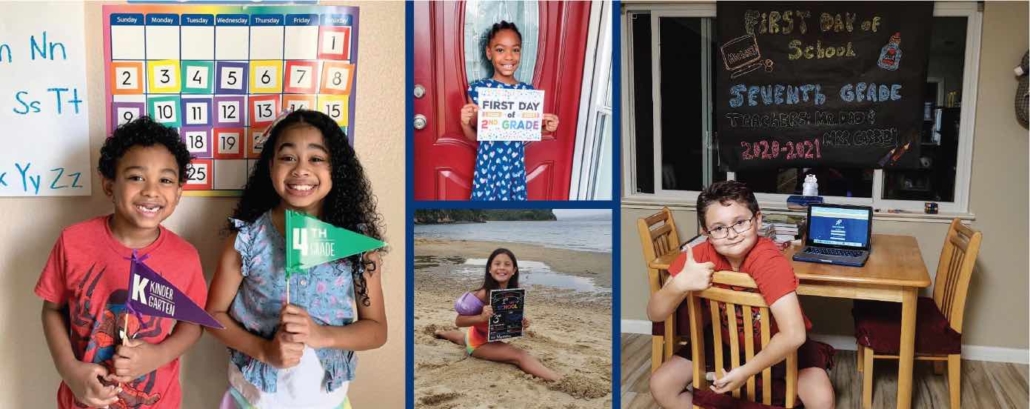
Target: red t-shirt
[765, 264]
[88, 270]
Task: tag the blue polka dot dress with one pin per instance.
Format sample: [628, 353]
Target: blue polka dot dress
[500, 165]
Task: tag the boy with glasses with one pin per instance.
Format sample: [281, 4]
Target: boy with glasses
[730, 217]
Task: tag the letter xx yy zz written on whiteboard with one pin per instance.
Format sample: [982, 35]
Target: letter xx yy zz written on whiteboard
[43, 101]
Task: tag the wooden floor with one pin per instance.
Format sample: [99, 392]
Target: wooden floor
[984, 384]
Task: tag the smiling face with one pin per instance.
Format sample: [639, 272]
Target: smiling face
[145, 190]
[729, 216]
[504, 51]
[301, 171]
[502, 269]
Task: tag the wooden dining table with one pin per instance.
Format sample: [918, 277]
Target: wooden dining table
[895, 272]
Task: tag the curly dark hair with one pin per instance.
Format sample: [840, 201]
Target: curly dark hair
[349, 205]
[142, 131]
[488, 280]
[725, 192]
[503, 25]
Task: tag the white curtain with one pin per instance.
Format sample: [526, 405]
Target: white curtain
[480, 16]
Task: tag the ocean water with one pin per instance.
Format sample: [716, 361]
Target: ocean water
[578, 234]
[538, 273]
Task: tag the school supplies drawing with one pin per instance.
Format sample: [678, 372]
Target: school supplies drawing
[510, 114]
[741, 56]
[221, 75]
[890, 54]
[509, 306]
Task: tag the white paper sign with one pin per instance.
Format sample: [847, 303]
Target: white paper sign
[43, 105]
[510, 114]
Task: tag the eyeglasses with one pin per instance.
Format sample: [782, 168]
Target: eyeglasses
[722, 232]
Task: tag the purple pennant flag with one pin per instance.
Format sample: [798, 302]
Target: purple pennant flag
[151, 294]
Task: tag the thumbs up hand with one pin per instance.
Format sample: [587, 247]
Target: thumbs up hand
[689, 275]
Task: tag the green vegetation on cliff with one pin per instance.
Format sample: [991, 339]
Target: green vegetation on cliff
[480, 216]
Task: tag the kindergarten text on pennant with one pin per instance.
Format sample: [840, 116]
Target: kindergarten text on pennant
[510, 114]
[153, 295]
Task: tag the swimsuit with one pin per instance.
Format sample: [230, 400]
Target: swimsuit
[474, 338]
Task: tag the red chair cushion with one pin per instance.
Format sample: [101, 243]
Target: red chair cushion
[811, 354]
[711, 400]
[878, 326]
[682, 323]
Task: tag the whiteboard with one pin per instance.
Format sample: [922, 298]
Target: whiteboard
[44, 117]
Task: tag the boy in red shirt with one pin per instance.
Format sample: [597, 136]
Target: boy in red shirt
[730, 218]
[84, 285]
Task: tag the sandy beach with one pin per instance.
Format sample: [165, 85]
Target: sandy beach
[570, 333]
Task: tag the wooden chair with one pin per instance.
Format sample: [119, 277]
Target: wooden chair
[938, 319]
[747, 303]
[658, 236]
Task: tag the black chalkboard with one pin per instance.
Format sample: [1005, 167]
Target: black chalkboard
[508, 306]
[803, 84]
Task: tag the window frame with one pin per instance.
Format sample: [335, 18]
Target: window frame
[973, 13]
[589, 149]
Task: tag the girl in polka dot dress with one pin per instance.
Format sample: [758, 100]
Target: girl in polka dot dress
[500, 165]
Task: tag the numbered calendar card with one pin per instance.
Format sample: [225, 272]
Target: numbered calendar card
[221, 74]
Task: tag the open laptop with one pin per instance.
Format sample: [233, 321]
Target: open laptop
[837, 234]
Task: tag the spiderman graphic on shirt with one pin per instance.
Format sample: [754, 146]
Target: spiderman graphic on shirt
[104, 338]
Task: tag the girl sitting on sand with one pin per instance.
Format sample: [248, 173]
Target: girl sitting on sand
[474, 312]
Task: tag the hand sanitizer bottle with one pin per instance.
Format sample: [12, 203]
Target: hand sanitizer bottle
[810, 187]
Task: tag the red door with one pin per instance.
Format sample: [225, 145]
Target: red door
[444, 159]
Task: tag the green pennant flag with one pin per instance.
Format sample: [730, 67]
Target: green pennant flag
[311, 242]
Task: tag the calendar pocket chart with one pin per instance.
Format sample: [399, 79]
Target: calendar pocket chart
[220, 75]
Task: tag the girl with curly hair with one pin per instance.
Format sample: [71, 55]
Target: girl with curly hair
[300, 354]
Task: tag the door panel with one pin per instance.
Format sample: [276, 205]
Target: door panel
[450, 184]
[540, 180]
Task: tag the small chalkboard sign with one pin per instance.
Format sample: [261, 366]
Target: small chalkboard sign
[508, 307]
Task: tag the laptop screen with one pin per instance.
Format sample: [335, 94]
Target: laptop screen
[839, 226]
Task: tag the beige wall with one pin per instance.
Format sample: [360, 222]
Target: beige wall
[996, 312]
[29, 226]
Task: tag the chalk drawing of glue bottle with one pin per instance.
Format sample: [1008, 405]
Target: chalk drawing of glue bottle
[890, 54]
